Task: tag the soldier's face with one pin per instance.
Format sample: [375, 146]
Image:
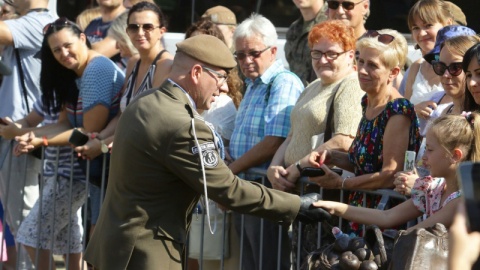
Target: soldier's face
[212, 81]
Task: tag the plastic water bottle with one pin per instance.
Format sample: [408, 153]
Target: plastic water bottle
[337, 232]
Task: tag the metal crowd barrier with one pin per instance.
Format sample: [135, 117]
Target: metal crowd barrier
[386, 195]
[23, 261]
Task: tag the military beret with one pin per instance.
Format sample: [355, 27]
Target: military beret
[220, 15]
[209, 50]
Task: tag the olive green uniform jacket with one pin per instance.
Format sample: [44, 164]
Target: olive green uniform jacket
[156, 179]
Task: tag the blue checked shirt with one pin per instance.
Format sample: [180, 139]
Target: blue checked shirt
[261, 114]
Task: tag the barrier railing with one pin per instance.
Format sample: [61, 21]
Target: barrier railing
[386, 195]
[226, 228]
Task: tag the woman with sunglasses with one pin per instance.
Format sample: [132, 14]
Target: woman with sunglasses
[388, 127]
[84, 88]
[146, 25]
[450, 101]
[425, 18]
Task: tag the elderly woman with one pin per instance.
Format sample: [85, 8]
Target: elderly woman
[388, 128]
[333, 99]
[332, 46]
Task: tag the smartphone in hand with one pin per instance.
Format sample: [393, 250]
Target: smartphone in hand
[469, 174]
[78, 138]
[313, 171]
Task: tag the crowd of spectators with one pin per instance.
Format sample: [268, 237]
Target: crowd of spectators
[346, 102]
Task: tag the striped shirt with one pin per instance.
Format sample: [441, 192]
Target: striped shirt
[65, 152]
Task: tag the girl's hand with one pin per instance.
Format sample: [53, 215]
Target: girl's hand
[330, 180]
[8, 129]
[404, 182]
[317, 159]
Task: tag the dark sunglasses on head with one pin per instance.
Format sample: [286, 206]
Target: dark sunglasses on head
[60, 22]
[347, 5]
[253, 54]
[135, 28]
[454, 69]
[383, 38]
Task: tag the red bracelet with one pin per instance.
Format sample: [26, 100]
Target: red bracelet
[45, 141]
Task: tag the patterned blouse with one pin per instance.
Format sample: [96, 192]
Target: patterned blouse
[366, 151]
[427, 194]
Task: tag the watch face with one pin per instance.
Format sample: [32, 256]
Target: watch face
[104, 148]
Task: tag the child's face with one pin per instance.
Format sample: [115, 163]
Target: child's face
[425, 34]
[436, 158]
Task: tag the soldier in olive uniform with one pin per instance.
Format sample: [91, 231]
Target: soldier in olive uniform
[159, 168]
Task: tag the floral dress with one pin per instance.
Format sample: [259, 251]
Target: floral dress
[366, 151]
[427, 194]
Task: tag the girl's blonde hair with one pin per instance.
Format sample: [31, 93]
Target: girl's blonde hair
[86, 16]
[429, 11]
[458, 131]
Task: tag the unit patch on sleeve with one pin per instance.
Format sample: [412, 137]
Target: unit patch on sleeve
[209, 154]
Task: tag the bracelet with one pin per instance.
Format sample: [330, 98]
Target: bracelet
[45, 141]
[343, 182]
[299, 168]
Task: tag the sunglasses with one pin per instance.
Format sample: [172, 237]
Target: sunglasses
[454, 69]
[347, 5]
[317, 55]
[383, 38]
[133, 28]
[254, 54]
[60, 22]
[222, 77]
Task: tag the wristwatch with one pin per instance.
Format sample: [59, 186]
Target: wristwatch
[104, 147]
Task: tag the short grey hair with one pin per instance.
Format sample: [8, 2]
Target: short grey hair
[259, 26]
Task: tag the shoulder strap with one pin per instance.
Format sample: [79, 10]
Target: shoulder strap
[267, 95]
[328, 134]
[412, 74]
[132, 85]
[22, 79]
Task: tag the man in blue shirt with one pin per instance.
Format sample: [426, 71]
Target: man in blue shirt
[261, 125]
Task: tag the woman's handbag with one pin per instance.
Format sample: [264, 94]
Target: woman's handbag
[215, 245]
[421, 249]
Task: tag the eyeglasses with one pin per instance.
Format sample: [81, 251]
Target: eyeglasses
[347, 5]
[222, 77]
[383, 38]
[133, 28]
[330, 56]
[60, 22]
[254, 54]
[454, 69]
